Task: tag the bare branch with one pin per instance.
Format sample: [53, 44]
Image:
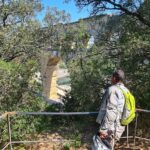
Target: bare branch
[134, 14]
[102, 5]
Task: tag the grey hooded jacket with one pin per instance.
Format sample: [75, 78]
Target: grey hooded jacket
[111, 110]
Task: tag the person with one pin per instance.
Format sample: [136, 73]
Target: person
[111, 109]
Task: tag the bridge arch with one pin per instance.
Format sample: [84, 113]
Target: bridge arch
[50, 78]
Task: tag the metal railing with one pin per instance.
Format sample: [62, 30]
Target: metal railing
[10, 114]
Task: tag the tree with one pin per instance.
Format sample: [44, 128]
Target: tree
[18, 11]
[55, 28]
[18, 27]
[125, 46]
[134, 8]
[89, 69]
[75, 40]
[22, 40]
[135, 43]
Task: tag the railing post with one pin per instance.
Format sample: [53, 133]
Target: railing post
[135, 129]
[127, 135]
[9, 132]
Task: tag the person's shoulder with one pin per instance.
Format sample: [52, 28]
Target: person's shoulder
[112, 88]
[124, 88]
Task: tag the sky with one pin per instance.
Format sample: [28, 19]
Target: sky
[69, 7]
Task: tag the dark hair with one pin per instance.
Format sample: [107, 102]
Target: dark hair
[119, 75]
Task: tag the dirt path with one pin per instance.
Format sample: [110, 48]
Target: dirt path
[57, 143]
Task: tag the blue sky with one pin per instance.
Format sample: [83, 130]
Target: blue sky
[68, 7]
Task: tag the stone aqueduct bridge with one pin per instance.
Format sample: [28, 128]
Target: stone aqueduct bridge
[96, 26]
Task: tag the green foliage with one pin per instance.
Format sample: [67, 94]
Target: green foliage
[66, 146]
[22, 41]
[88, 79]
[126, 47]
[19, 30]
[53, 32]
[62, 65]
[74, 41]
[135, 60]
[15, 84]
[17, 94]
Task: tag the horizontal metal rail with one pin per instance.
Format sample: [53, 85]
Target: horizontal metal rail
[141, 138]
[43, 141]
[143, 110]
[58, 113]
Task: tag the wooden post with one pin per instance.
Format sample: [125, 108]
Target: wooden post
[135, 129]
[9, 132]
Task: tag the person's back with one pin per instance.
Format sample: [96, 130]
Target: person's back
[112, 108]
